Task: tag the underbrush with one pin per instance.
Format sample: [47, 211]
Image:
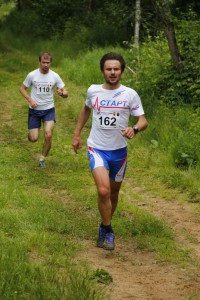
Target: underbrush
[173, 142]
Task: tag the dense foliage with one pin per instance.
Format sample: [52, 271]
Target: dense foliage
[159, 78]
[107, 21]
[93, 23]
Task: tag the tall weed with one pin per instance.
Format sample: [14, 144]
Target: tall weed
[84, 69]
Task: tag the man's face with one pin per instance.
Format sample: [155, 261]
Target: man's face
[112, 72]
[45, 64]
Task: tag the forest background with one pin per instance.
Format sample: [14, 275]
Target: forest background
[170, 94]
[162, 59]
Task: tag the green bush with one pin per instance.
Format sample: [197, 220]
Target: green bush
[184, 156]
[154, 75]
[28, 23]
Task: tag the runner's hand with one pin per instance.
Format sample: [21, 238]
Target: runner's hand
[33, 104]
[62, 93]
[128, 132]
[76, 143]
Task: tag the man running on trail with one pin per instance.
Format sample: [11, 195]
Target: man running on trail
[112, 104]
[41, 101]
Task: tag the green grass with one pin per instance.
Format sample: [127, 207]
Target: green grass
[47, 213]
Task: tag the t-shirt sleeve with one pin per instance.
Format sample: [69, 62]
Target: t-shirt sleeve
[136, 107]
[28, 80]
[59, 83]
[88, 101]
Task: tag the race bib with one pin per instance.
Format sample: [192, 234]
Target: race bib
[43, 89]
[108, 120]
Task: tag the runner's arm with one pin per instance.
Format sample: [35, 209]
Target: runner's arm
[141, 124]
[23, 90]
[83, 117]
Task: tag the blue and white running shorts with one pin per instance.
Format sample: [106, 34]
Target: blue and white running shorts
[114, 161]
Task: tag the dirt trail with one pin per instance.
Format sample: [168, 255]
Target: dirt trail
[180, 216]
[138, 275]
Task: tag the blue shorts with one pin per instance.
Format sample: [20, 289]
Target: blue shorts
[36, 117]
[114, 161]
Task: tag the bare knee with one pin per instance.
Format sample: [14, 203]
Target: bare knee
[32, 139]
[48, 134]
[33, 135]
[104, 192]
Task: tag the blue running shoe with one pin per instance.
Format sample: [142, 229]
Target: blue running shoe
[42, 163]
[109, 242]
[101, 238]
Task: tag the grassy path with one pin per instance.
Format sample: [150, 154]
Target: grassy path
[49, 219]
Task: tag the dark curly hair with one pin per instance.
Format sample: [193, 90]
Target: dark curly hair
[112, 56]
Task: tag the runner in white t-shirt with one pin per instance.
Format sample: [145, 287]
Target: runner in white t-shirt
[41, 101]
[111, 111]
[112, 105]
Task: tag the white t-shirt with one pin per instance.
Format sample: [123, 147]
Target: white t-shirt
[42, 86]
[111, 111]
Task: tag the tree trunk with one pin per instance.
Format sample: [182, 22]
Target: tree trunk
[88, 5]
[166, 16]
[137, 22]
[18, 4]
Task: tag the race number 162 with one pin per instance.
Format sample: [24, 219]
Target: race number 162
[109, 122]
